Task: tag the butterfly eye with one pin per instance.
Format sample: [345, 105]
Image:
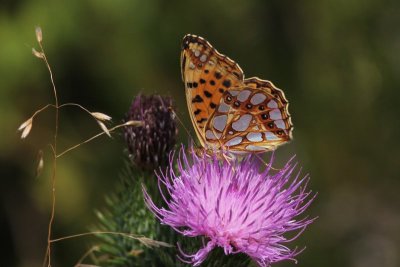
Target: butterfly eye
[261, 107]
[271, 125]
[264, 116]
[249, 106]
[280, 132]
[228, 98]
[236, 104]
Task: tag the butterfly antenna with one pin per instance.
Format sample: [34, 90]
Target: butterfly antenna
[183, 125]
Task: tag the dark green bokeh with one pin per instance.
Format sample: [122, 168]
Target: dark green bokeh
[338, 62]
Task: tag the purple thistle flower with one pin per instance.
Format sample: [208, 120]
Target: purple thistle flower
[241, 207]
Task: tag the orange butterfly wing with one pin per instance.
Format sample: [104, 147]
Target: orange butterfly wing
[207, 74]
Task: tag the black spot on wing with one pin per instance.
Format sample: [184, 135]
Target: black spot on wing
[217, 75]
[197, 99]
[183, 63]
[226, 83]
[207, 94]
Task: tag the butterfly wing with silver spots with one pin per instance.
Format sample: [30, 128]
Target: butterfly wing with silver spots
[251, 118]
[207, 74]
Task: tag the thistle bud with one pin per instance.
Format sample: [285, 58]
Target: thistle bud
[150, 143]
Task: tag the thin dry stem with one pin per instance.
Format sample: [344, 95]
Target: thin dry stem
[53, 177]
[84, 256]
[76, 105]
[142, 239]
[93, 137]
[99, 117]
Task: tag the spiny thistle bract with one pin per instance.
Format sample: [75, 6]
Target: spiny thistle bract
[149, 145]
[240, 207]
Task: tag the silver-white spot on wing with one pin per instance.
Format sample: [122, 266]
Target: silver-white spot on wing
[280, 124]
[234, 141]
[275, 114]
[203, 58]
[219, 122]
[272, 104]
[257, 99]
[242, 123]
[243, 95]
[255, 148]
[254, 137]
[234, 92]
[213, 136]
[223, 107]
[270, 136]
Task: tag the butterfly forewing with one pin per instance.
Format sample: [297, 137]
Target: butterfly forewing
[227, 111]
[207, 75]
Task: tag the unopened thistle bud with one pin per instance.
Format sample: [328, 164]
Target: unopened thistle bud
[150, 143]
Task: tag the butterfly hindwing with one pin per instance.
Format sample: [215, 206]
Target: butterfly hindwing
[251, 118]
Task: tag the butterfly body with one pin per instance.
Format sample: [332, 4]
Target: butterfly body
[229, 112]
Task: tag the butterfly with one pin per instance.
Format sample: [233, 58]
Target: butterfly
[228, 111]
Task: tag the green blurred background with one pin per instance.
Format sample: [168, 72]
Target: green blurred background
[338, 62]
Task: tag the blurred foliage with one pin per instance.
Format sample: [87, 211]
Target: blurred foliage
[338, 62]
